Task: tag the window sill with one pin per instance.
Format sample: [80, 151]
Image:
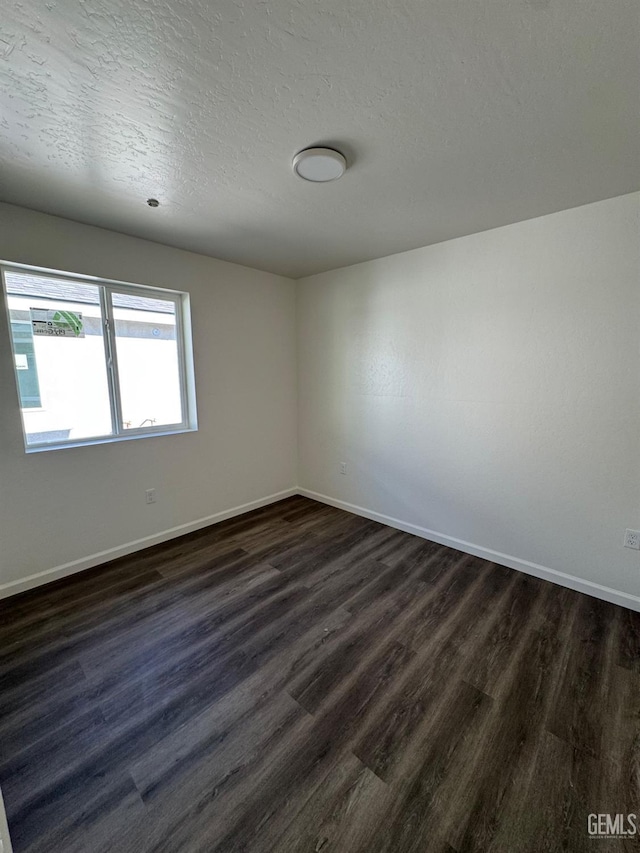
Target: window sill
[112, 439]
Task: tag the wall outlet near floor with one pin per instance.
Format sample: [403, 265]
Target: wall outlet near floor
[632, 539]
[343, 467]
[150, 496]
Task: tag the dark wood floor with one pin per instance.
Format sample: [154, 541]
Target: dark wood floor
[300, 679]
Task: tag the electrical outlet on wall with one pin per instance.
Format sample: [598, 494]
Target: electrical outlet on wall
[150, 496]
[632, 539]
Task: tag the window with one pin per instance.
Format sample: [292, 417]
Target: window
[96, 360]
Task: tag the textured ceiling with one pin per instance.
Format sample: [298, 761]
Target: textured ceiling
[455, 117]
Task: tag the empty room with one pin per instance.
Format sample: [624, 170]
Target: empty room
[320, 426]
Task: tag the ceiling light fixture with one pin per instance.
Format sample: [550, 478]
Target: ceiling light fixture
[319, 165]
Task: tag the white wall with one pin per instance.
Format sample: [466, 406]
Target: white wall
[5, 841]
[66, 505]
[487, 389]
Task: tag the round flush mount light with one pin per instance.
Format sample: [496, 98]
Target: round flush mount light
[153, 202]
[319, 165]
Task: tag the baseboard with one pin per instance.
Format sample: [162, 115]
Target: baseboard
[632, 602]
[14, 587]
[561, 578]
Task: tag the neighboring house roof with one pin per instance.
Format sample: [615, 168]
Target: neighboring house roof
[21, 284]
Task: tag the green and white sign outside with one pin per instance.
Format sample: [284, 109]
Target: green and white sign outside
[56, 323]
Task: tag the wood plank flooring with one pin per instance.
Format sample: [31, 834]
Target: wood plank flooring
[301, 679]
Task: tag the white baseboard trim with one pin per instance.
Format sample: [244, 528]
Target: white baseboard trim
[596, 590]
[48, 575]
[561, 578]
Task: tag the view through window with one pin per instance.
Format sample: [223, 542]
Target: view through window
[96, 361]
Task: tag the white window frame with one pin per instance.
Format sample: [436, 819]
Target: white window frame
[108, 287]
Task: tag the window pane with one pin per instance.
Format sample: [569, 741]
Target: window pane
[25, 360]
[58, 346]
[148, 363]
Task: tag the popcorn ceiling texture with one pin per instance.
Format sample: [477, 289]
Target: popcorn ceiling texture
[455, 118]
